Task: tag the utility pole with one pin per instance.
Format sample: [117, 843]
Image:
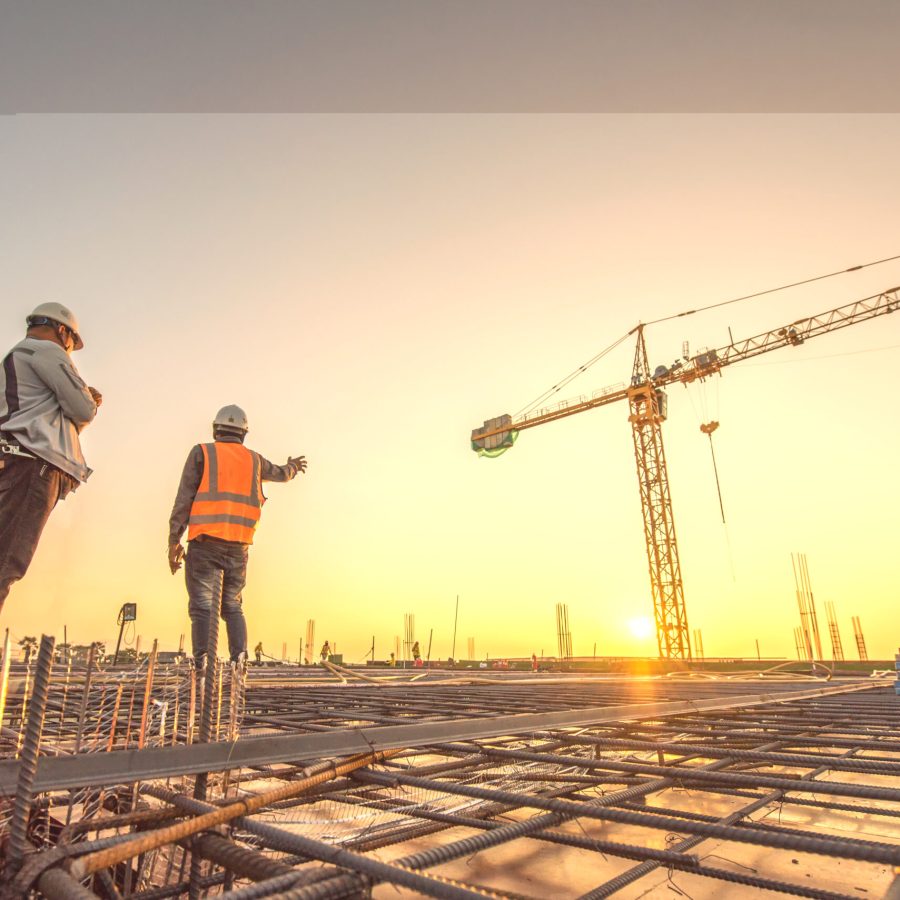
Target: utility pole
[455, 619]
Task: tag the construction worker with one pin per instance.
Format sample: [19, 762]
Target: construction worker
[416, 653]
[258, 650]
[325, 651]
[219, 501]
[392, 662]
[44, 405]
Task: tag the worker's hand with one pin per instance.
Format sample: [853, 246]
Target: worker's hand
[176, 555]
[98, 397]
[298, 463]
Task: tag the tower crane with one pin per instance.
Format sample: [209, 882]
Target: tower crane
[647, 403]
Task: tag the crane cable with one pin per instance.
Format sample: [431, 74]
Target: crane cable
[571, 377]
[784, 287]
[689, 312]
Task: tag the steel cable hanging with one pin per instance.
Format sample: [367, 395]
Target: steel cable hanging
[783, 287]
[570, 377]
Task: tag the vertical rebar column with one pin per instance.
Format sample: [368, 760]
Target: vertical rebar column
[837, 647]
[860, 640]
[811, 605]
[148, 691]
[236, 703]
[220, 683]
[192, 708]
[115, 719]
[65, 695]
[210, 668]
[18, 829]
[4, 674]
[26, 693]
[82, 716]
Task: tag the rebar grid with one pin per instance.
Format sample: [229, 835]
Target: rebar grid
[632, 802]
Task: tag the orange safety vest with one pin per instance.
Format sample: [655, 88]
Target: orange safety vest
[229, 500]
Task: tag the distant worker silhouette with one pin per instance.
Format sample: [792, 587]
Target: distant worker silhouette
[219, 501]
[326, 651]
[44, 405]
[258, 650]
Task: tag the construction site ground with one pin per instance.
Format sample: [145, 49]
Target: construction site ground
[288, 781]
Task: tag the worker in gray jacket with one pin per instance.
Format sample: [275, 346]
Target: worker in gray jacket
[44, 405]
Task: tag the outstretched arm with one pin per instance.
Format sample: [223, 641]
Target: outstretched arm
[294, 466]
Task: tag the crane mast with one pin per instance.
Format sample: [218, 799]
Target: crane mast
[647, 411]
[647, 405]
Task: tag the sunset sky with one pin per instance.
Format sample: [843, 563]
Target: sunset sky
[372, 287]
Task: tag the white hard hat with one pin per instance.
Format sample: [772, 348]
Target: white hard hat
[47, 313]
[231, 417]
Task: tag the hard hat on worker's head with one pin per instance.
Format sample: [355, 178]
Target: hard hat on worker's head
[231, 418]
[56, 314]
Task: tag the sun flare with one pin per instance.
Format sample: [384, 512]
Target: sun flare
[640, 627]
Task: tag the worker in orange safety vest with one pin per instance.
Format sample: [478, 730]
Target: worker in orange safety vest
[219, 501]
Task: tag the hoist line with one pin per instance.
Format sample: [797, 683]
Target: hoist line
[716, 473]
[784, 287]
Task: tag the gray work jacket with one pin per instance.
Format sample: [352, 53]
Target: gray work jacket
[44, 404]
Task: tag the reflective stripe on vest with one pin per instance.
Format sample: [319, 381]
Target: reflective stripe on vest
[229, 499]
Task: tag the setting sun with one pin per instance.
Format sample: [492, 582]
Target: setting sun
[641, 627]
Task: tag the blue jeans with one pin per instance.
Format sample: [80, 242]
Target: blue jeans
[206, 561]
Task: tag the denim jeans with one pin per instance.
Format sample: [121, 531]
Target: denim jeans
[207, 561]
[29, 489]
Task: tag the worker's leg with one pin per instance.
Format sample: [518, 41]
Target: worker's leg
[232, 600]
[203, 567]
[29, 489]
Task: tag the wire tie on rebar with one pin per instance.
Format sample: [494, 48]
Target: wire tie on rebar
[369, 742]
[734, 862]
